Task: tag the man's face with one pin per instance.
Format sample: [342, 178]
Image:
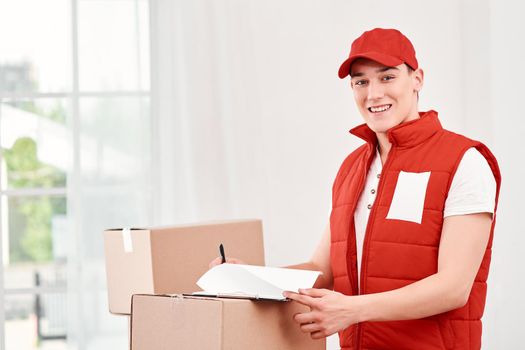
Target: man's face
[386, 96]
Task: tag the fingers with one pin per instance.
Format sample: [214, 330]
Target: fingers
[303, 299]
[310, 327]
[307, 296]
[318, 335]
[302, 318]
[314, 292]
[218, 261]
[215, 262]
[309, 323]
[316, 330]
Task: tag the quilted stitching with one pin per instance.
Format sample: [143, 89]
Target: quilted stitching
[440, 153]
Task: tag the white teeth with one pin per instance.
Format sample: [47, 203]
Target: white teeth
[380, 108]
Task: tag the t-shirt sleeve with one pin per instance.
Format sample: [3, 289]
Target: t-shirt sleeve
[473, 188]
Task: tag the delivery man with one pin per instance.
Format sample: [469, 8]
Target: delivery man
[406, 253]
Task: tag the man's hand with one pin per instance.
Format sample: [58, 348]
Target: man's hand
[330, 311]
[218, 261]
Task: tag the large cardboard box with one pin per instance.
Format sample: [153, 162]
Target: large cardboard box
[164, 322]
[169, 260]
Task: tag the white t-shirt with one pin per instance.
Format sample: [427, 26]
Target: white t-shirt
[473, 190]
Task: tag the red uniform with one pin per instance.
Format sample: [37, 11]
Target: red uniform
[397, 252]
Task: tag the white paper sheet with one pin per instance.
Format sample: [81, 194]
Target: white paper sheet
[255, 281]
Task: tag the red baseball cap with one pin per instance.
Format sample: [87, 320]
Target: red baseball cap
[386, 46]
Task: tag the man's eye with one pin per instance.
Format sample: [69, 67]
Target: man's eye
[360, 82]
[388, 77]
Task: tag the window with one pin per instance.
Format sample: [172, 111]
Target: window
[75, 149]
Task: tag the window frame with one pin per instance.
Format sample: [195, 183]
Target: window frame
[73, 125]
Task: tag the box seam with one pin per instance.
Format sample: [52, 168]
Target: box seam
[131, 324]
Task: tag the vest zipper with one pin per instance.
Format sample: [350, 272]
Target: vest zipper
[361, 187]
[366, 240]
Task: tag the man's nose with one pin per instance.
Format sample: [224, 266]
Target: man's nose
[375, 91]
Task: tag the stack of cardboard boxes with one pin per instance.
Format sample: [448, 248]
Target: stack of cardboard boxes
[148, 270]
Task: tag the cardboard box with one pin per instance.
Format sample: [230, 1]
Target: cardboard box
[169, 260]
[163, 322]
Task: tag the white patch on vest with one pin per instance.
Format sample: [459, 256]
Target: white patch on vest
[409, 197]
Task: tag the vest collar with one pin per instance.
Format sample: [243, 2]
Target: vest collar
[404, 135]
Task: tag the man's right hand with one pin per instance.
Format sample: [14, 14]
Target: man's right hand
[218, 261]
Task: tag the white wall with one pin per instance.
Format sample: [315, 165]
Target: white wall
[252, 119]
[505, 304]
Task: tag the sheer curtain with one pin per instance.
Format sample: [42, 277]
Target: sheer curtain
[251, 119]
[110, 182]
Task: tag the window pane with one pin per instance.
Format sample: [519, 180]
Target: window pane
[112, 52]
[35, 232]
[35, 322]
[114, 141]
[36, 50]
[143, 37]
[35, 143]
[114, 166]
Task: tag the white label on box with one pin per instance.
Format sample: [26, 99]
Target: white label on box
[409, 197]
[126, 238]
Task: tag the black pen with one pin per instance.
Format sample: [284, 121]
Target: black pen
[221, 250]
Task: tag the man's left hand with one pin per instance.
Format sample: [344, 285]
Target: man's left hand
[330, 311]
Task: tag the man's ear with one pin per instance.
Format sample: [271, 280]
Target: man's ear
[418, 77]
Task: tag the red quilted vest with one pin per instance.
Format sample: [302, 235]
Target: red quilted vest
[396, 252]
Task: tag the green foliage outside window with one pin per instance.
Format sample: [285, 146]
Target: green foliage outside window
[30, 217]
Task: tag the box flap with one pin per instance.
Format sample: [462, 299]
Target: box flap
[127, 271]
[162, 322]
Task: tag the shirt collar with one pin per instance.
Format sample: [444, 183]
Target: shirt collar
[377, 164]
[405, 135]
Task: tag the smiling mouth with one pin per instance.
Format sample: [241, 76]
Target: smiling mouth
[379, 109]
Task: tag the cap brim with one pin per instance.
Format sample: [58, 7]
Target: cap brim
[386, 60]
